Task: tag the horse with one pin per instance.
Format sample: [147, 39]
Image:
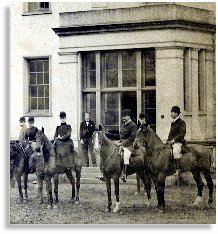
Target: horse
[19, 166]
[161, 164]
[111, 165]
[52, 167]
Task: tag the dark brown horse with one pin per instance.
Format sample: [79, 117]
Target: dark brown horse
[111, 165]
[161, 164]
[53, 167]
[19, 166]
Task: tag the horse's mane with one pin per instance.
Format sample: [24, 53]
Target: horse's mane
[48, 149]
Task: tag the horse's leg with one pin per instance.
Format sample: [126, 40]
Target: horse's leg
[40, 189]
[49, 191]
[209, 180]
[108, 184]
[161, 190]
[138, 184]
[116, 186]
[72, 181]
[18, 179]
[200, 185]
[56, 183]
[25, 181]
[147, 185]
[78, 176]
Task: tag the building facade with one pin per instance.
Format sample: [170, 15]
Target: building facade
[105, 57]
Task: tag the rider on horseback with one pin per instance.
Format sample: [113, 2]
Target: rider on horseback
[176, 135]
[63, 132]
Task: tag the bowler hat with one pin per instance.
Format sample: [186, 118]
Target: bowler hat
[126, 112]
[31, 119]
[176, 109]
[22, 119]
[62, 114]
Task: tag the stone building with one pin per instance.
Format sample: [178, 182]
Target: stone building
[104, 57]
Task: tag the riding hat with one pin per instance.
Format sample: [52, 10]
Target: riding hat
[62, 114]
[176, 109]
[31, 119]
[22, 119]
[126, 112]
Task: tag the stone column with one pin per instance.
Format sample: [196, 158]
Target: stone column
[194, 75]
[169, 86]
[209, 93]
[69, 89]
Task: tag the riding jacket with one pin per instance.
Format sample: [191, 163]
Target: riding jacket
[64, 130]
[22, 135]
[177, 131]
[128, 133]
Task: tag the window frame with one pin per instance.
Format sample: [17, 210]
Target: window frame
[26, 85]
[39, 11]
[101, 90]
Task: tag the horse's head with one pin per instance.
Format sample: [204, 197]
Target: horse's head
[40, 140]
[97, 138]
[142, 135]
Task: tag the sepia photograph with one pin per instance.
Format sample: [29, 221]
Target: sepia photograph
[112, 113]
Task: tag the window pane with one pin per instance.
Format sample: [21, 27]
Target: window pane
[129, 78]
[33, 66]
[111, 61]
[89, 71]
[148, 67]
[92, 79]
[46, 91]
[40, 91]
[46, 78]
[40, 103]
[149, 77]
[33, 103]
[40, 66]
[111, 79]
[39, 78]
[46, 103]
[91, 64]
[33, 91]
[46, 66]
[90, 105]
[110, 111]
[129, 60]
[32, 78]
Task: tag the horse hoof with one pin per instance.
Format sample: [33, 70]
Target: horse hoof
[108, 210]
[76, 202]
[56, 206]
[137, 193]
[160, 211]
[116, 209]
[198, 201]
[148, 204]
[49, 207]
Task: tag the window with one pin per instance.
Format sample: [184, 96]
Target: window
[38, 73]
[117, 80]
[38, 7]
[201, 80]
[187, 79]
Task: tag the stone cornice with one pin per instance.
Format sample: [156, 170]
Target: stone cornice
[90, 29]
[155, 16]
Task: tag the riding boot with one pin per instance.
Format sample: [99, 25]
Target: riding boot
[124, 176]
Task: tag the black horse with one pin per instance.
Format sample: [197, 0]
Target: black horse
[161, 164]
[19, 166]
[111, 164]
[53, 167]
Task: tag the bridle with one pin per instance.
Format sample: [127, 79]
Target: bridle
[101, 144]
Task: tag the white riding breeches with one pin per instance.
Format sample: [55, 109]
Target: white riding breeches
[177, 150]
[127, 154]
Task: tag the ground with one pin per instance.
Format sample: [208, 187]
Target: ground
[93, 201]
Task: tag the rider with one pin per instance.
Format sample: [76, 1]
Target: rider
[141, 120]
[63, 132]
[22, 135]
[127, 136]
[31, 136]
[176, 135]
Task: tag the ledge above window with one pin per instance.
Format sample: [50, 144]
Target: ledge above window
[37, 13]
[38, 114]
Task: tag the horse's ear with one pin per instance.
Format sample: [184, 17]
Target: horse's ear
[42, 130]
